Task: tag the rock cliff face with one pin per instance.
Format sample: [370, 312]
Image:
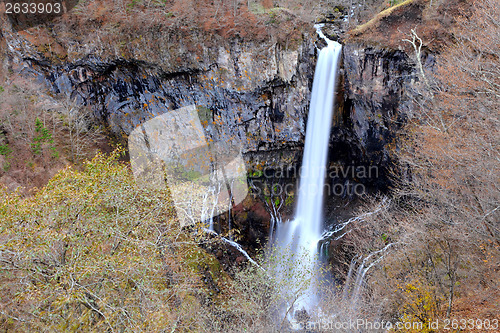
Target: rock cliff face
[252, 95]
[375, 94]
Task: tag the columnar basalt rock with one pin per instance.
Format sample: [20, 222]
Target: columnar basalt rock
[253, 95]
[377, 92]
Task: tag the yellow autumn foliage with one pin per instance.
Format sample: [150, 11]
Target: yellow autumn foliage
[90, 251]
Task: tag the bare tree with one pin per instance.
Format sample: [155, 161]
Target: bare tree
[80, 126]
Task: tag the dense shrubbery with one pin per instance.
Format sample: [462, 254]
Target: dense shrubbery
[445, 212]
[89, 251]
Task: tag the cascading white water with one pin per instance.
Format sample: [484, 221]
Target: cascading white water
[299, 237]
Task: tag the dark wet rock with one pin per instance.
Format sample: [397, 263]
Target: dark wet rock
[254, 99]
[374, 98]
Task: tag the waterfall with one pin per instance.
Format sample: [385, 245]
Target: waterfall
[298, 239]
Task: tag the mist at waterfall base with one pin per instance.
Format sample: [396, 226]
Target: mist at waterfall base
[296, 241]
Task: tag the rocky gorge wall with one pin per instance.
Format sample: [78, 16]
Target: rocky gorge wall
[377, 93]
[251, 94]
[248, 94]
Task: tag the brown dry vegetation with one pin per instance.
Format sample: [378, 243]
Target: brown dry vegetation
[435, 21]
[32, 154]
[175, 34]
[171, 34]
[444, 219]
